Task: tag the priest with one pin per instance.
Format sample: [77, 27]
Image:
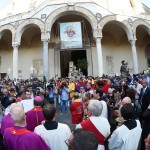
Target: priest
[18, 137]
[53, 133]
[96, 123]
[7, 120]
[127, 136]
[35, 116]
[76, 109]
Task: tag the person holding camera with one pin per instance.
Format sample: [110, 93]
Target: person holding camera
[64, 96]
[52, 92]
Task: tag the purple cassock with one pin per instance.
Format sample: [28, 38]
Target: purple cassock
[34, 118]
[7, 122]
[18, 138]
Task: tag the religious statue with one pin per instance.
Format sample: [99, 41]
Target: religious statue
[124, 69]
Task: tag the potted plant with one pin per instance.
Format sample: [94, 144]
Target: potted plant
[82, 64]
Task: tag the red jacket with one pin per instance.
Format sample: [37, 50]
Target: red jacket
[76, 109]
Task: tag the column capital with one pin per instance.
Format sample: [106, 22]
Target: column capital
[46, 40]
[45, 35]
[15, 45]
[97, 33]
[98, 39]
[132, 42]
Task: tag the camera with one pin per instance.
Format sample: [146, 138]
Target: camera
[63, 85]
[50, 86]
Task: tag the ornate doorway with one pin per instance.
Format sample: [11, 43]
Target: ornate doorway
[66, 56]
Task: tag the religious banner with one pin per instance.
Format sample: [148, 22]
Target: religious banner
[71, 35]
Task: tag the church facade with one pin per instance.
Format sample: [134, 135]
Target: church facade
[111, 31]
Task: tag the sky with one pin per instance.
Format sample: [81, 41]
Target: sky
[3, 3]
[146, 2]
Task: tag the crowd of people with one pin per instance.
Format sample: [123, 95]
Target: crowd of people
[107, 113]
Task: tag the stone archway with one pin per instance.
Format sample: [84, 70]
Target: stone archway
[140, 22]
[9, 27]
[7, 36]
[125, 25]
[27, 24]
[122, 33]
[66, 10]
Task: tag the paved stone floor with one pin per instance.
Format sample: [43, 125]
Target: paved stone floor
[64, 117]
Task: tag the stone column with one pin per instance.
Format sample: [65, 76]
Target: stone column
[45, 59]
[15, 60]
[59, 67]
[51, 62]
[99, 56]
[134, 55]
[89, 59]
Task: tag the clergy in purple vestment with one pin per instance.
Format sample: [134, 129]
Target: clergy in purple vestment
[35, 116]
[7, 120]
[19, 138]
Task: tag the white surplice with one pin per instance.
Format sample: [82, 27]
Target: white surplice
[56, 138]
[124, 139]
[102, 126]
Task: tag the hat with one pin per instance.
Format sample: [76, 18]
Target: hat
[38, 99]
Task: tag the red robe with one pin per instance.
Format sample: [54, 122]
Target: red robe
[76, 109]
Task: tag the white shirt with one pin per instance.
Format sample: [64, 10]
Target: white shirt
[105, 110]
[56, 138]
[138, 91]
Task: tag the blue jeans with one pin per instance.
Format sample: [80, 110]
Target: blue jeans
[63, 102]
[51, 100]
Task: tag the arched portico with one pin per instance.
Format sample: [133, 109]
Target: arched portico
[141, 30]
[27, 24]
[128, 30]
[65, 11]
[9, 27]
[140, 22]
[125, 25]
[17, 40]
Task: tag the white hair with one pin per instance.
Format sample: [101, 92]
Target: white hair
[95, 107]
[17, 114]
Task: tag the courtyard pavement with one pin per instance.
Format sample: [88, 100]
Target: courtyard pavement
[64, 117]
